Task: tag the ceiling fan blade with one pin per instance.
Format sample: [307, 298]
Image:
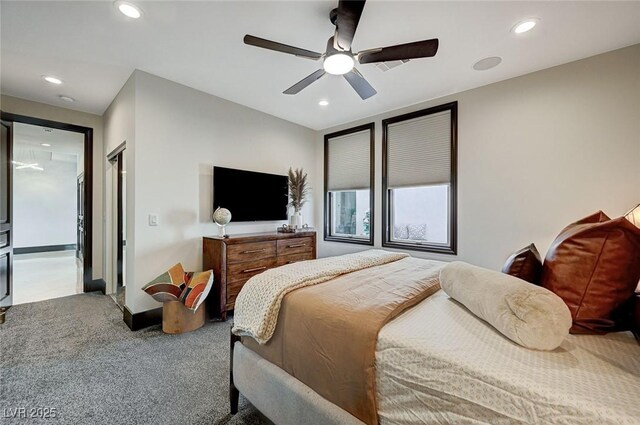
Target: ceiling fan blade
[418, 49]
[349, 12]
[279, 47]
[359, 84]
[302, 84]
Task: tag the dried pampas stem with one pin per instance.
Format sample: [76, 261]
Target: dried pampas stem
[298, 188]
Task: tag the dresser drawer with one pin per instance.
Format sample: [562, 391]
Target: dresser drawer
[250, 251]
[294, 258]
[243, 271]
[233, 289]
[231, 302]
[232, 293]
[295, 246]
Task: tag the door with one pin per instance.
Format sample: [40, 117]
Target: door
[117, 224]
[80, 221]
[6, 236]
[120, 218]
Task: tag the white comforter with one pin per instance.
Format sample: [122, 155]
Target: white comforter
[437, 363]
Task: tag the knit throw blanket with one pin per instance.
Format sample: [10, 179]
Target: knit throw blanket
[258, 304]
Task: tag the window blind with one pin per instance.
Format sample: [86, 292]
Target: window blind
[349, 162]
[419, 151]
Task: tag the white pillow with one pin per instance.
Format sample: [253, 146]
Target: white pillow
[529, 315]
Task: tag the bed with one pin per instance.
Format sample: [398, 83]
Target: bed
[437, 363]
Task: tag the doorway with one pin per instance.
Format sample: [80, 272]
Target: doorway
[48, 234]
[47, 249]
[118, 179]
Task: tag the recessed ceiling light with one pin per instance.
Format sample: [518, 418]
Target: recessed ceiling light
[46, 145]
[52, 80]
[487, 63]
[323, 103]
[524, 26]
[129, 9]
[66, 98]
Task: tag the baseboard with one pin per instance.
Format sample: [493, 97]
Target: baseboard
[97, 285]
[46, 248]
[137, 321]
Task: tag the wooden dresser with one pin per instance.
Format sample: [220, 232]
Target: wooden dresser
[239, 257]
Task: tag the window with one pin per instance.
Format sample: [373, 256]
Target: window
[348, 185]
[419, 180]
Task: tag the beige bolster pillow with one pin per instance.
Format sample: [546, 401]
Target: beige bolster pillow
[529, 315]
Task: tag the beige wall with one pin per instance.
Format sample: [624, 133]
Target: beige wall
[535, 153]
[179, 134]
[54, 113]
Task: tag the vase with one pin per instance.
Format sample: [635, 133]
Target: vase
[296, 220]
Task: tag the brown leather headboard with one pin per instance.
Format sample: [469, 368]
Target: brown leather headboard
[636, 317]
[634, 217]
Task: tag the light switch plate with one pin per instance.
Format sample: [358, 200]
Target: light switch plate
[154, 220]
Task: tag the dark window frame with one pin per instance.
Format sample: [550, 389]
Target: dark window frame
[451, 247]
[327, 196]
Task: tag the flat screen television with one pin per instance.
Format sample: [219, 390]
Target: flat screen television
[250, 196]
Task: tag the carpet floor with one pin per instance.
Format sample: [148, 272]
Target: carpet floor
[76, 355]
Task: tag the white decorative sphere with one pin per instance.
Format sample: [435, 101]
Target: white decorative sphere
[222, 216]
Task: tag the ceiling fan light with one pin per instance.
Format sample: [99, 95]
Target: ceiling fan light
[338, 64]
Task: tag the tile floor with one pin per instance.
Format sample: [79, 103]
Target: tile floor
[46, 275]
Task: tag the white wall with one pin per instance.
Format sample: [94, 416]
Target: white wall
[54, 113]
[535, 153]
[119, 127]
[180, 134]
[44, 205]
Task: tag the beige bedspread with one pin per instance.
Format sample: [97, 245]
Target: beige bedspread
[258, 304]
[326, 334]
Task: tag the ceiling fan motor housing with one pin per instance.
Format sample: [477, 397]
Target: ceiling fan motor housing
[333, 16]
[331, 48]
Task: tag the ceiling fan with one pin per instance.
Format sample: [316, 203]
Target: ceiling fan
[338, 59]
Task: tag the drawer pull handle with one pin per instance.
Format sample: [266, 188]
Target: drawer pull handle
[251, 251]
[254, 269]
[296, 245]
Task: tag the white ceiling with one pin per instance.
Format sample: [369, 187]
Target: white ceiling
[94, 49]
[31, 137]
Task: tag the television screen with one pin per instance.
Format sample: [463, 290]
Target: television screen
[250, 196]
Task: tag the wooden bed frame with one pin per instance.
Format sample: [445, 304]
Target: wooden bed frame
[234, 394]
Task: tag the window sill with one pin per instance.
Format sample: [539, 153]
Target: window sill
[436, 249]
[343, 239]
